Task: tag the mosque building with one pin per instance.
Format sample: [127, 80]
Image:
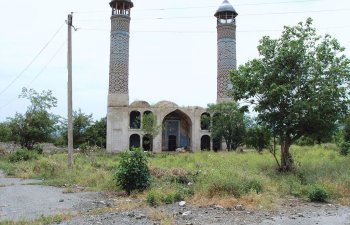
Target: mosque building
[181, 127]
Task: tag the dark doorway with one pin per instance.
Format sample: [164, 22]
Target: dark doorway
[205, 143]
[135, 141]
[172, 142]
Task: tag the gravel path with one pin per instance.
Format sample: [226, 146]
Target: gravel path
[23, 200]
[302, 213]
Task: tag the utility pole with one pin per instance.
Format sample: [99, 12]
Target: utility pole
[70, 101]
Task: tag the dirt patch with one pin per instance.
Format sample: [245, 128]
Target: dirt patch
[292, 211]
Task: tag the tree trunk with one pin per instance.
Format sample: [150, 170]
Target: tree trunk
[286, 157]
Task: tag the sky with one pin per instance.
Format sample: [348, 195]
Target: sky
[172, 47]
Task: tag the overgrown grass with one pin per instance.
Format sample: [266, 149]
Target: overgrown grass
[43, 220]
[206, 177]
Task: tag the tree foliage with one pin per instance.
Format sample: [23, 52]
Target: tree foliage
[37, 124]
[5, 132]
[97, 132]
[258, 137]
[81, 124]
[149, 124]
[298, 85]
[227, 124]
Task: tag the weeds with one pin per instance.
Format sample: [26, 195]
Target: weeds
[204, 176]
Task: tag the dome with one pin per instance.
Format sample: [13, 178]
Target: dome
[226, 7]
[116, 3]
[140, 104]
[166, 104]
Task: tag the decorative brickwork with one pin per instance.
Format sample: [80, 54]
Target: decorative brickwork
[119, 55]
[226, 59]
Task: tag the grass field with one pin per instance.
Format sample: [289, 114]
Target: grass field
[224, 178]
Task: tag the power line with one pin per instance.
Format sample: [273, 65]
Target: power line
[203, 7]
[32, 61]
[39, 73]
[205, 32]
[248, 14]
[48, 63]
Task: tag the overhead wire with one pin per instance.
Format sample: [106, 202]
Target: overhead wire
[40, 72]
[32, 61]
[247, 14]
[209, 6]
[205, 32]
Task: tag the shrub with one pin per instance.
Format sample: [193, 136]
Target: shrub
[23, 155]
[132, 172]
[38, 148]
[345, 148]
[317, 194]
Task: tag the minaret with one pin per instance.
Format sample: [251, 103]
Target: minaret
[118, 94]
[226, 29]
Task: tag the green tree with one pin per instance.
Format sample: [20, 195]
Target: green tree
[37, 125]
[258, 137]
[5, 132]
[150, 128]
[81, 124]
[227, 124]
[298, 85]
[97, 132]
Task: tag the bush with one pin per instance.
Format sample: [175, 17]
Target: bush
[132, 172]
[345, 148]
[39, 149]
[23, 155]
[317, 194]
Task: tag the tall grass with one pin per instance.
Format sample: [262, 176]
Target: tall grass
[248, 176]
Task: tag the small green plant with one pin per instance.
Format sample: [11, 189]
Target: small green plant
[23, 155]
[132, 172]
[317, 194]
[153, 199]
[252, 185]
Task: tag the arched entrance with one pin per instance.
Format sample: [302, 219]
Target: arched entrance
[205, 143]
[177, 131]
[135, 141]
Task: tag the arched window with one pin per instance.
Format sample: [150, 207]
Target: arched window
[205, 143]
[205, 121]
[135, 120]
[135, 141]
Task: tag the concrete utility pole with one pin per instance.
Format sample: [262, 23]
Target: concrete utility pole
[70, 101]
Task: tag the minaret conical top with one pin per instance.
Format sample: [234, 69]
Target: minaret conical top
[226, 9]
